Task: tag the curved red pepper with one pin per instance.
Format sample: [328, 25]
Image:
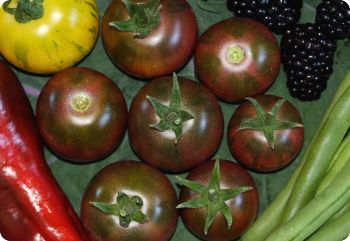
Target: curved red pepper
[32, 205]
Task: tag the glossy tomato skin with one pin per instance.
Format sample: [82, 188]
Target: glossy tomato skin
[201, 135]
[165, 50]
[81, 114]
[244, 207]
[65, 34]
[218, 64]
[251, 148]
[133, 178]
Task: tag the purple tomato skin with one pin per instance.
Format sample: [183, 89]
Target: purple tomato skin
[244, 207]
[133, 178]
[250, 147]
[168, 47]
[236, 58]
[81, 114]
[201, 135]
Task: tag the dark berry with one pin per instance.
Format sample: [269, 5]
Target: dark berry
[307, 58]
[334, 18]
[278, 15]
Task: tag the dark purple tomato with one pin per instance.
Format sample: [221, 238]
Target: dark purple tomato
[175, 140]
[165, 49]
[81, 114]
[236, 58]
[129, 200]
[252, 146]
[241, 208]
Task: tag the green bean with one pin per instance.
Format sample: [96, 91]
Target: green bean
[317, 211]
[269, 219]
[337, 230]
[338, 162]
[322, 148]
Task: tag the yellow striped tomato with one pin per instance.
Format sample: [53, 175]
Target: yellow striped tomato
[45, 36]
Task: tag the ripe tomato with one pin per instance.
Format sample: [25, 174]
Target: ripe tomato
[164, 50]
[262, 151]
[236, 58]
[194, 139]
[64, 34]
[129, 200]
[218, 201]
[81, 114]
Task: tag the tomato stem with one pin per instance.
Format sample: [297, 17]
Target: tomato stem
[267, 121]
[26, 10]
[144, 17]
[126, 208]
[211, 197]
[171, 116]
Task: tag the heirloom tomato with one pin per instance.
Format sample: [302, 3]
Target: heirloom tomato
[81, 114]
[149, 38]
[218, 200]
[47, 36]
[175, 124]
[265, 133]
[129, 201]
[236, 58]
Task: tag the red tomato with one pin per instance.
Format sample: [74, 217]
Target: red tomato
[127, 201]
[81, 114]
[166, 49]
[200, 135]
[251, 146]
[242, 208]
[237, 58]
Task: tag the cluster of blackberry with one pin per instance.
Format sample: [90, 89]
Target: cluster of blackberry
[307, 57]
[278, 15]
[307, 49]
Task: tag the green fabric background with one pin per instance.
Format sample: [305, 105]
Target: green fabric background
[73, 178]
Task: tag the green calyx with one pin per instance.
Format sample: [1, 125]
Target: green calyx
[211, 197]
[144, 17]
[267, 122]
[127, 208]
[26, 10]
[171, 116]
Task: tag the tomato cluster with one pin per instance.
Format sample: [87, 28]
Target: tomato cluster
[174, 124]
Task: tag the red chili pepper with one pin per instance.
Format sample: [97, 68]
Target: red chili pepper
[33, 207]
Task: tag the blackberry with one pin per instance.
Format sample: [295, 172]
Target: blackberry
[307, 58]
[278, 15]
[334, 18]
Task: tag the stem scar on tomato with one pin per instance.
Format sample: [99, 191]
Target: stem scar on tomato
[144, 17]
[267, 121]
[211, 197]
[172, 116]
[235, 54]
[81, 102]
[127, 208]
